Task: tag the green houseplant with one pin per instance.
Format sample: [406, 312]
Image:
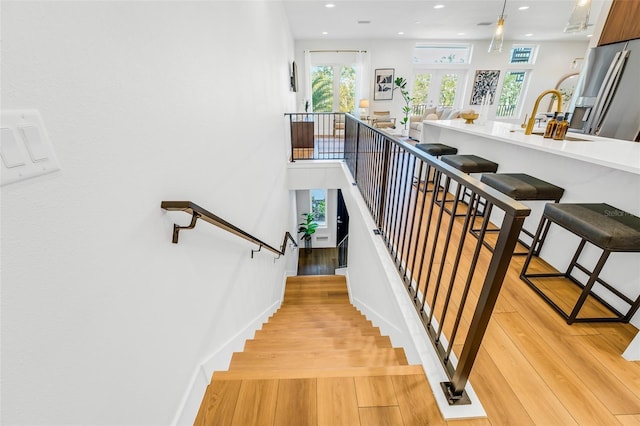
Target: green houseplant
[307, 229]
[401, 83]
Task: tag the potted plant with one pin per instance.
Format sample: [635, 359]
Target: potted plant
[307, 229]
[401, 83]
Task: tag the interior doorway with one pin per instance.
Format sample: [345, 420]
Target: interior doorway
[325, 260]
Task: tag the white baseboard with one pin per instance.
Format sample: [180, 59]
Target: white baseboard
[218, 361]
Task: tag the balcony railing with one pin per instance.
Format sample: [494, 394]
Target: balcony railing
[506, 110]
[316, 135]
[453, 282]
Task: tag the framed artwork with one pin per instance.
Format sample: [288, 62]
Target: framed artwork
[383, 84]
[294, 77]
[484, 85]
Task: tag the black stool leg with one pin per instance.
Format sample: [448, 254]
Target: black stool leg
[587, 288]
[544, 222]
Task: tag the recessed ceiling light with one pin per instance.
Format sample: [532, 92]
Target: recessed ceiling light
[438, 6]
[324, 33]
[400, 32]
[528, 35]
[329, 5]
[460, 33]
[589, 35]
[523, 8]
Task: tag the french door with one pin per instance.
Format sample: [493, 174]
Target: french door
[439, 87]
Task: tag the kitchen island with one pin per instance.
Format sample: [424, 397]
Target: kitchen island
[591, 170]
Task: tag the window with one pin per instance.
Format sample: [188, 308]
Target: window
[319, 206]
[522, 54]
[510, 93]
[421, 87]
[437, 87]
[442, 54]
[333, 88]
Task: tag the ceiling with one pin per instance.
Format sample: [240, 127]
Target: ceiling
[457, 20]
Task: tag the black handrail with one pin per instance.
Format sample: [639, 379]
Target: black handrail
[198, 212]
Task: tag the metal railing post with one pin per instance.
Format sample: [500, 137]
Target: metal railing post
[500, 260]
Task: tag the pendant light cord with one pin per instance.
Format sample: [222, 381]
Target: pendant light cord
[503, 8]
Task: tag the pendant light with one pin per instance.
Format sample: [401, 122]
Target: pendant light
[498, 35]
[579, 17]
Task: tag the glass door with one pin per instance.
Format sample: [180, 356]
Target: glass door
[439, 87]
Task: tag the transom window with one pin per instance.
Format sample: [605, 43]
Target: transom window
[522, 54]
[442, 54]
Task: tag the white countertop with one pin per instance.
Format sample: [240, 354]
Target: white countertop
[614, 153]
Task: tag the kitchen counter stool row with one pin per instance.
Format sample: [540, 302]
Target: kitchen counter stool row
[604, 226]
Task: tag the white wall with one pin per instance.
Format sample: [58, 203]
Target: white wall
[553, 61]
[104, 321]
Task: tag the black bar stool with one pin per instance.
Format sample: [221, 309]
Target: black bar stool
[604, 226]
[521, 187]
[436, 150]
[468, 164]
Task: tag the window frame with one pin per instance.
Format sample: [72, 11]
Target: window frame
[324, 224]
[517, 111]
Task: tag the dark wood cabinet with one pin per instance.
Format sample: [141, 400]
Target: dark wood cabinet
[302, 134]
[623, 22]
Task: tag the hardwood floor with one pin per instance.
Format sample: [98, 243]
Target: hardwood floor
[319, 261]
[532, 369]
[319, 361]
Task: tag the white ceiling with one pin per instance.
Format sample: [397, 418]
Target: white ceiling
[544, 19]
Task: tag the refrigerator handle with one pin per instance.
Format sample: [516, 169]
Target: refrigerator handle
[608, 90]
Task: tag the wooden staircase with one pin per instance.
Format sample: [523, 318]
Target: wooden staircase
[319, 361]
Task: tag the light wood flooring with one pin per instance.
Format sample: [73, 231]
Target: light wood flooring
[532, 368]
[319, 361]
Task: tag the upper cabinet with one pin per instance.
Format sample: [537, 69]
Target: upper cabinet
[623, 22]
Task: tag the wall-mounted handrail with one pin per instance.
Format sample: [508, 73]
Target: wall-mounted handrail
[198, 212]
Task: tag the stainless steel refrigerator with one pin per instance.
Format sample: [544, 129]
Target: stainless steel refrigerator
[609, 100]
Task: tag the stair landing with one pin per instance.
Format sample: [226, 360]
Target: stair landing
[319, 361]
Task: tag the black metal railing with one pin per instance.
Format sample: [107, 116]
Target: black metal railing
[506, 110]
[453, 282]
[198, 212]
[316, 135]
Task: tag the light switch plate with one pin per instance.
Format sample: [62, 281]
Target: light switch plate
[25, 147]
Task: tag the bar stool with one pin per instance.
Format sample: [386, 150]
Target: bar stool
[521, 187]
[436, 150]
[604, 226]
[468, 164]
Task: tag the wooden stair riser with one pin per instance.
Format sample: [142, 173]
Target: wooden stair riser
[314, 325]
[313, 359]
[317, 343]
[326, 332]
[301, 373]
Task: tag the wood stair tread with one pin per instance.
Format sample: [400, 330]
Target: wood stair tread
[296, 344]
[318, 360]
[314, 325]
[301, 373]
[314, 359]
[327, 332]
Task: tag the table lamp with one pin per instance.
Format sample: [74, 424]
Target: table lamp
[364, 105]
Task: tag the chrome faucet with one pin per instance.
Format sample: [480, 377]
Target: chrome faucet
[532, 119]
